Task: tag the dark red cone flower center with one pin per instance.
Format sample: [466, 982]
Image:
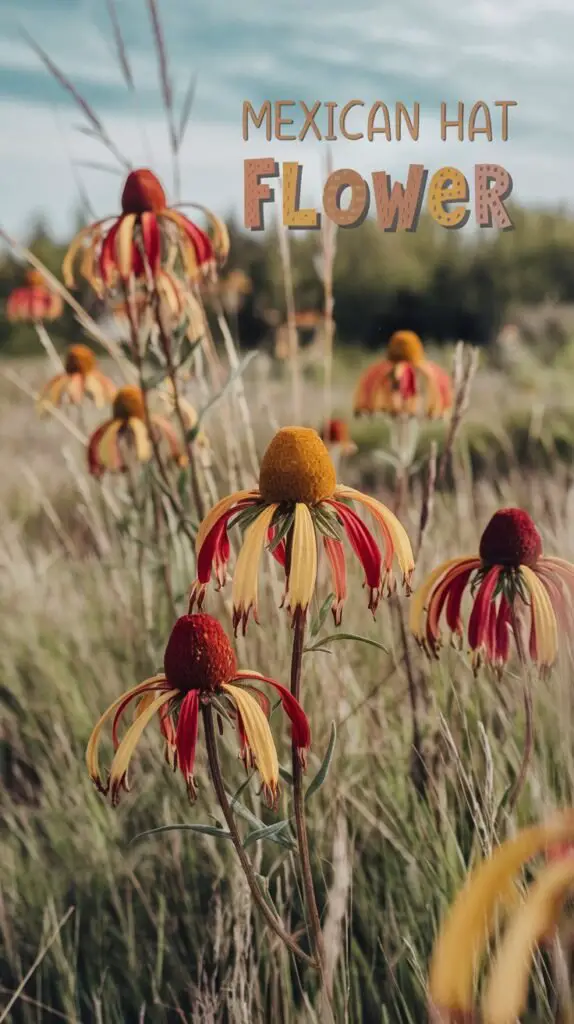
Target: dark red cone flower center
[143, 193]
[510, 538]
[198, 655]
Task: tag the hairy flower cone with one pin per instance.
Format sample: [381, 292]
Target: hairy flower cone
[405, 347]
[34, 278]
[297, 467]
[198, 655]
[127, 403]
[80, 359]
[143, 193]
[510, 538]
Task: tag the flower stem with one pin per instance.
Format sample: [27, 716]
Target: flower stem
[313, 919]
[528, 716]
[258, 896]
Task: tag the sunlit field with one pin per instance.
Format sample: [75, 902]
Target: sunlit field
[163, 928]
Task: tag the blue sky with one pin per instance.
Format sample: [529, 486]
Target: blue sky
[286, 49]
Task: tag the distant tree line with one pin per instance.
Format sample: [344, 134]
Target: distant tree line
[444, 285]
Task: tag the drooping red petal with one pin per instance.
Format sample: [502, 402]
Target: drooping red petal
[451, 587]
[215, 550]
[107, 261]
[301, 730]
[336, 554]
[406, 378]
[480, 616]
[365, 547]
[503, 632]
[199, 240]
[160, 685]
[94, 465]
[279, 552]
[186, 734]
[151, 239]
[454, 600]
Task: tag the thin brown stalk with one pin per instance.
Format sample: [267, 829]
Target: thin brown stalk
[120, 44]
[328, 239]
[418, 767]
[166, 90]
[291, 322]
[239, 389]
[464, 371]
[83, 104]
[427, 506]
[215, 769]
[312, 911]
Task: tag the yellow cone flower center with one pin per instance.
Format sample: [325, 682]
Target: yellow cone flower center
[405, 347]
[297, 467]
[127, 403]
[80, 359]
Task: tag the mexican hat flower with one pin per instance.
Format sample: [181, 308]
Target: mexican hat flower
[405, 382]
[512, 586]
[335, 434]
[34, 301]
[298, 502]
[81, 378]
[200, 669]
[464, 935]
[170, 304]
[126, 435]
[147, 237]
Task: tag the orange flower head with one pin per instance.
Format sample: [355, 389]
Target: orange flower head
[198, 655]
[297, 467]
[80, 359]
[405, 347]
[34, 277]
[129, 404]
[511, 539]
[143, 193]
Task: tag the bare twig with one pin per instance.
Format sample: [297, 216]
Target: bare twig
[43, 950]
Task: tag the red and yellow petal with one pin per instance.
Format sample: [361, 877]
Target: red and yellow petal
[301, 730]
[92, 749]
[302, 569]
[365, 547]
[479, 621]
[336, 554]
[258, 738]
[393, 532]
[543, 617]
[186, 737]
[124, 753]
[417, 617]
[246, 575]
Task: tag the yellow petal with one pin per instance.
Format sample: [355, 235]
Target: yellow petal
[470, 921]
[381, 513]
[544, 618]
[92, 748]
[303, 566]
[94, 387]
[219, 510]
[108, 453]
[421, 595]
[124, 753]
[124, 244]
[68, 264]
[246, 576]
[506, 991]
[141, 439]
[258, 735]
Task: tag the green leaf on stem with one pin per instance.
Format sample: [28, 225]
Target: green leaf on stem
[286, 776]
[243, 812]
[325, 765]
[204, 830]
[267, 832]
[345, 636]
[324, 610]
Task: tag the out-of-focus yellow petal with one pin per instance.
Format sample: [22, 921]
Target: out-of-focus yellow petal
[246, 575]
[472, 917]
[108, 452]
[141, 439]
[386, 519]
[68, 263]
[92, 749]
[219, 510]
[124, 753]
[422, 593]
[51, 394]
[124, 245]
[258, 735]
[506, 990]
[544, 618]
[94, 387]
[303, 563]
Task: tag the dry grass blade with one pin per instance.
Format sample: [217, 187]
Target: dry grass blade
[44, 949]
[120, 45]
[78, 98]
[186, 109]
